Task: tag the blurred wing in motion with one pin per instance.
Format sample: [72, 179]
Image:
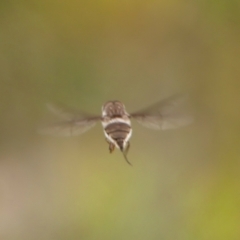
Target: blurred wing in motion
[167, 114]
[72, 123]
[64, 112]
[69, 128]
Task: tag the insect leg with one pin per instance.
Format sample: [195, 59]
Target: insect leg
[125, 153]
[111, 147]
[125, 156]
[127, 148]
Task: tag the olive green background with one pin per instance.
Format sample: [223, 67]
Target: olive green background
[184, 183]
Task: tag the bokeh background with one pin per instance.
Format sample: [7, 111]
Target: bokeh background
[184, 183]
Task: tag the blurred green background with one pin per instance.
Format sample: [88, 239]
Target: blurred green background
[184, 183]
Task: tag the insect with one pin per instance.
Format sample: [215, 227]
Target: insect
[116, 121]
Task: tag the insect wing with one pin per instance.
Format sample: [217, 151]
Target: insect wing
[167, 114]
[72, 123]
[63, 112]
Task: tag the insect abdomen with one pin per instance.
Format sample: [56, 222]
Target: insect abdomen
[119, 132]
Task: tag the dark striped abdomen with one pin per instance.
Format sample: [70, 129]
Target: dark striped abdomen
[118, 132]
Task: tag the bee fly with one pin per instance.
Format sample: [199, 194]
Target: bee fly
[166, 114]
[116, 126]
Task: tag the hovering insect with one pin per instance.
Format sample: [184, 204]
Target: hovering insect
[167, 114]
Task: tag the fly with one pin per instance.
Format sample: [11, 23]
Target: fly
[116, 121]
